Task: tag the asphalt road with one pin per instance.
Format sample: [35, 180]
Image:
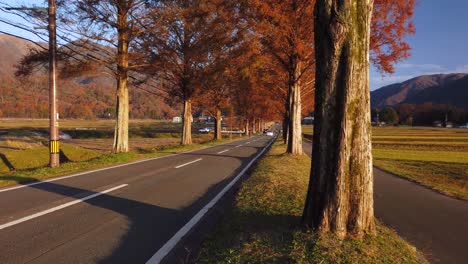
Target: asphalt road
[120, 215]
[436, 224]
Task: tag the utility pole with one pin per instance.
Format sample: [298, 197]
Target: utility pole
[54, 147]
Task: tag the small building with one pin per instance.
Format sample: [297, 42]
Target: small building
[177, 119]
[449, 124]
[437, 123]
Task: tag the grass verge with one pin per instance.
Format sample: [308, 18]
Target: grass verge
[262, 226]
[102, 161]
[448, 178]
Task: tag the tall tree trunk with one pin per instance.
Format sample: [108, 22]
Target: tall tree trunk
[339, 198]
[218, 129]
[286, 121]
[187, 123]
[295, 129]
[246, 129]
[122, 108]
[253, 127]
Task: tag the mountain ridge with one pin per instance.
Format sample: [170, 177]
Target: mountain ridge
[437, 89]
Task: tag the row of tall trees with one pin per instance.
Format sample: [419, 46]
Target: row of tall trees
[180, 50]
[261, 57]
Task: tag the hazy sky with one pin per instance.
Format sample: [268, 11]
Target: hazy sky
[440, 44]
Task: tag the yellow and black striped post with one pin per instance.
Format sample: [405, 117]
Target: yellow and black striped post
[54, 147]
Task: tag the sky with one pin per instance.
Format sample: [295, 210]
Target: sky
[440, 44]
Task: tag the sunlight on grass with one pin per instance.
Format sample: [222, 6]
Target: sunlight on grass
[263, 225]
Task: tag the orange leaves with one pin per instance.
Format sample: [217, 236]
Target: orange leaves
[391, 23]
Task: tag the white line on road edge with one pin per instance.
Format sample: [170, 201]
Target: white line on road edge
[169, 245]
[221, 152]
[238, 146]
[27, 218]
[188, 163]
[106, 168]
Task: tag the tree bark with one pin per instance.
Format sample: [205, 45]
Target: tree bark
[218, 128]
[286, 121]
[246, 129]
[187, 123]
[122, 106]
[295, 129]
[253, 127]
[339, 198]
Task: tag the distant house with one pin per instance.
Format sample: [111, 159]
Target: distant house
[177, 119]
[449, 124]
[437, 123]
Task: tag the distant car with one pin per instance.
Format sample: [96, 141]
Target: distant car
[64, 136]
[204, 130]
[269, 133]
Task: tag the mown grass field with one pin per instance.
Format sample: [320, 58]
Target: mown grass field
[263, 225]
[434, 157]
[24, 151]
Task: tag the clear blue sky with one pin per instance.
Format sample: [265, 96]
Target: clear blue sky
[440, 44]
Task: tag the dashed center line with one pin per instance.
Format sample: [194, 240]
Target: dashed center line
[53, 209]
[238, 146]
[188, 163]
[221, 152]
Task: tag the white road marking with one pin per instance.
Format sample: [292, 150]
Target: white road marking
[103, 169]
[238, 146]
[48, 211]
[248, 142]
[171, 243]
[188, 163]
[221, 152]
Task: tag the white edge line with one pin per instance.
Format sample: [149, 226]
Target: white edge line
[171, 243]
[221, 152]
[53, 209]
[188, 163]
[107, 168]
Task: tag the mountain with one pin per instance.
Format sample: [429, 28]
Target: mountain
[13, 49]
[437, 89]
[85, 96]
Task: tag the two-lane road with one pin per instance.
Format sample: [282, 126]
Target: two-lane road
[124, 214]
[436, 224]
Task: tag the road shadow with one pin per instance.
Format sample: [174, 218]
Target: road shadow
[149, 225]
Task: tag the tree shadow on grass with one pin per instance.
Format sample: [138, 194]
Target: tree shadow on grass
[7, 162]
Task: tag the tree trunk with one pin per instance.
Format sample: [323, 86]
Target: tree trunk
[295, 129]
[122, 108]
[187, 123]
[218, 128]
[253, 127]
[286, 122]
[339, 198]
[246, 129]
